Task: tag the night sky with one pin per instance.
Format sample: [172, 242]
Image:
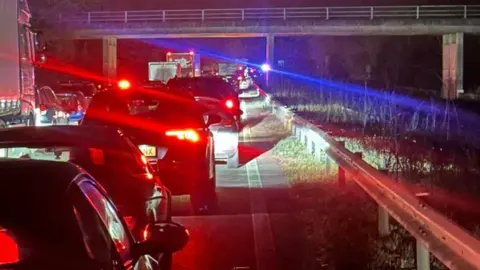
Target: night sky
[186, 4]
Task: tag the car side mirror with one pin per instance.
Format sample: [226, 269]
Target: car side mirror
[163, 238]
[213, 119]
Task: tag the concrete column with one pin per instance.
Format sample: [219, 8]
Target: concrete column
[270, 56]
[452, 66]
[423, 256]
[110, 58]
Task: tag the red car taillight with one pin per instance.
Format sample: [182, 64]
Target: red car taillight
[185, 134]
[229, 104]
[42, 108]
[9, 248]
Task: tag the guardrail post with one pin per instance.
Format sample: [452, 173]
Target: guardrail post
[164, 16]
[126, 17]
[383, 221]
[423, 256]
[284, 14]
[418, 12]
[203, 15]
[243, 14]
[465, 12]
[327, 13]
[371, 13]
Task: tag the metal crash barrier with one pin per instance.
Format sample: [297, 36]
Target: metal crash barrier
[293, 13]
[451, 244]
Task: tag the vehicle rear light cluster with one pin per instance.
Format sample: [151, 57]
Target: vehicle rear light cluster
[124, 84]
[185, 134]
[42, 107]
[9, 248]
[229, 104]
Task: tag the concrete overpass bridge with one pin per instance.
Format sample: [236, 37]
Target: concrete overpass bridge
[450, 21]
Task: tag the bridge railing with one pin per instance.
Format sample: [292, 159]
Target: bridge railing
[293, 13]
[452, 245]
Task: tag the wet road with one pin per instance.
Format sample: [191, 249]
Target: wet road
[239, 235]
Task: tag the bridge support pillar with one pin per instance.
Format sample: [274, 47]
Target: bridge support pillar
[452, 65]
[270, 56]
[109, 58]
[423, 256]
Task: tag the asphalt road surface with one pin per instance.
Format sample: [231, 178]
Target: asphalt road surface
[239, 235]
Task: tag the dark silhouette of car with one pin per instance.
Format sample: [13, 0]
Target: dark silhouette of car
[54, 215]
[172, 132]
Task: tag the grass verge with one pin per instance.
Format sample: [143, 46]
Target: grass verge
[332, 227]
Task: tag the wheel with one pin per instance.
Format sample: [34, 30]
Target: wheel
[3, 124]
[233, 162]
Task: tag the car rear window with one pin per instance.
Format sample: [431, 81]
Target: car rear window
[121, 159]
[208, 87]
[172, 114]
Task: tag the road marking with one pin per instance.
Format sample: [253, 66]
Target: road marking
[262, 231]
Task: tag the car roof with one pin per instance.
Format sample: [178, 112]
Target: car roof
[60, 134]
[26, 177]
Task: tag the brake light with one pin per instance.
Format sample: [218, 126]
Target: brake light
[229, 104]
[124, 84]
[42, 107]
[187, 134]
[9, 247]
[239, 78]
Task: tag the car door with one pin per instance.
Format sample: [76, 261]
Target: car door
[106, 237]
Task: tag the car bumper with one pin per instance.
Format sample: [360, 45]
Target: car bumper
[181, 176]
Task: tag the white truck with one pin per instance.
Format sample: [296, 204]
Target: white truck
[17, 58]
[163, 71]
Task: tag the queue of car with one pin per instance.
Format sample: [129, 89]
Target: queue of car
[99, 191]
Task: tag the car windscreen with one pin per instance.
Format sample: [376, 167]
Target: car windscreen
[216, 88]
[172, 114]
[87, 157]
[206, 87]
[69, 101]
[87, 89]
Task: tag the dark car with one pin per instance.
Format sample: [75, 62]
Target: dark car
[49, 109]
[172, 132]
[88, 89]
[219, 97]
[54, 215]
[107, 154]
[74, 103]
